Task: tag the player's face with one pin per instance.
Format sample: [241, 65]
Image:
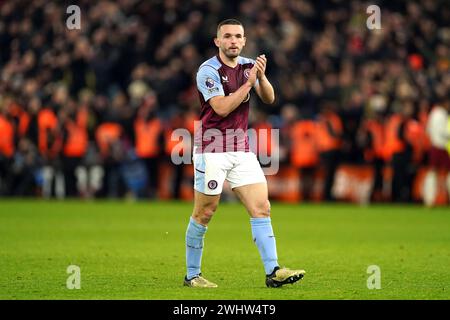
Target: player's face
[230, 40]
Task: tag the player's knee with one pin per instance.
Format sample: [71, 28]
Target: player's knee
[204, 214]
[261, 209]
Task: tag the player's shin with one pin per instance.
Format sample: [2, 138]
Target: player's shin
[264, 239]
[195, 234]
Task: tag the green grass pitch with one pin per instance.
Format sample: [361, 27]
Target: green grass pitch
[136, 251]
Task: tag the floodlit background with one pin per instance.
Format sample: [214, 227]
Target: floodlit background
[78, 105]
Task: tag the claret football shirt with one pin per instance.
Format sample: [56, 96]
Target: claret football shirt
[222, 134]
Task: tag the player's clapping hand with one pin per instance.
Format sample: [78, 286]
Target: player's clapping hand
[252, 76]
[261, 62]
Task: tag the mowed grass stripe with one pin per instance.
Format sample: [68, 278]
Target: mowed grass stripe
[136, 251]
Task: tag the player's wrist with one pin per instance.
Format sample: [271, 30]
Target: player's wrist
[248, 84]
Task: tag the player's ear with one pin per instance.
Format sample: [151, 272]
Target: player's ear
[216, 42]
[245, 40]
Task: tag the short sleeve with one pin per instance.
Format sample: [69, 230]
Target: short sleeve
[208, 82]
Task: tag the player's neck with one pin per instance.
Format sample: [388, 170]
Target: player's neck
[231, 62]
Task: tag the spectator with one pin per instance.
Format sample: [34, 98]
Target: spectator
[399, 150]
[316, 50]
[329, 140]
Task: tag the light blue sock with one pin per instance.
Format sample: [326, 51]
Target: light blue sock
[195, 234]
[265, 241]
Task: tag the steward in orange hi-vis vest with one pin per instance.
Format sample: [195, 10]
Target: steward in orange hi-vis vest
[147, 135]
[329, 141]
[305, 155]
[7, 150]
[106, 135]
[76, 143]
[76, 135]
[304, 151]
[371, 137]
[375, 133]
[399, 152]
[20, 117]
[149, 138]
[6, 137]
[49, 137]
[329, 133]
[180, 120]
[50, 145]
[394, 142]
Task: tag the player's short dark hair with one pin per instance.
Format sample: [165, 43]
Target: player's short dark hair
[229, 21]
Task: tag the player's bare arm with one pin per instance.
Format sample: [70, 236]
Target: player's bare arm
[223, 106]
[264, 88]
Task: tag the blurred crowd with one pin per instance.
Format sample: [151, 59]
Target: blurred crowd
[90, 112]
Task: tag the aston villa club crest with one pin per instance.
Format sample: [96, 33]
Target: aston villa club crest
[212, 184]
[209, 82]
[247, 73]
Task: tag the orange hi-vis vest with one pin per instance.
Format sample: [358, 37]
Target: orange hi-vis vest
[23, 118]
[376, 131]
[325, 141]
[147, 134]
[416, 136]
[77, 136]
[186, 123]
[6, 137]
[106, 134]
[171, 144]
[48, 124]
[304, 151]
[393, 143]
